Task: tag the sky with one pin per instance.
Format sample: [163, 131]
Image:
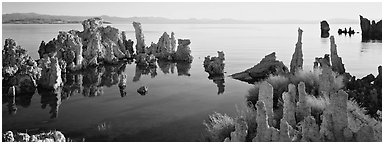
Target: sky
[204, 10]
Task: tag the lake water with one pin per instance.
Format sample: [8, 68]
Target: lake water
[180, 95]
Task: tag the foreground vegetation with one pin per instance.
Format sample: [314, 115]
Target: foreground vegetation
[325, 104]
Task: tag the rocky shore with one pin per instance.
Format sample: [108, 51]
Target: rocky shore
[52, 136]
[325, 104]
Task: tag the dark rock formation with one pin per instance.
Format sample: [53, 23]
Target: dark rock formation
[18, 69]
[143, 59]
[140, 43]
[127, 43]
[367, 92]
[322, 62]
[94, 45]
[162, 49]
[324, 26]
[183, 52]
[349, 32]
[267, 66]
[337, 63]
[215, 65]
[143, 90]
[165, 48]
[297, 57]
[370, 31]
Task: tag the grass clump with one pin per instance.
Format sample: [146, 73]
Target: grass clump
[219, 127]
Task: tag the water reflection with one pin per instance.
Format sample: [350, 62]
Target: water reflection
[371, 41]
[169, 67]
[183, 68]
[52, 98]
[13, 101]
[219, 81]
[144, 70]
[370, 45]
[166, 66]
[90, 82]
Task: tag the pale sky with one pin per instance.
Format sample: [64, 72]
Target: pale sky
[211, 10]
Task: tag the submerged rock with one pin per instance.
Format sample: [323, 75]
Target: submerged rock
[324, 26]
[370, 31]
[267, 66]
[297, 57]
[143, 90]
[214, 65]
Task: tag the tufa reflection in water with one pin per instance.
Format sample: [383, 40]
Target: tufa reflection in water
[89, 82]
[13, 99]
[165, 66]
[52, 98]
[219, 81]
[169, 67]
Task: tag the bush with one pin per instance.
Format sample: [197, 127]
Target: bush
[219, 127]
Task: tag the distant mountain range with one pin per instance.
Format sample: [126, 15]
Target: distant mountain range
[34, 18]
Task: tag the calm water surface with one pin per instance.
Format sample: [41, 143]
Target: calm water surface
[180, 95]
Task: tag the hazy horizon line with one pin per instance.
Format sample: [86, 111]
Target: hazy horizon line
[191, 18]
